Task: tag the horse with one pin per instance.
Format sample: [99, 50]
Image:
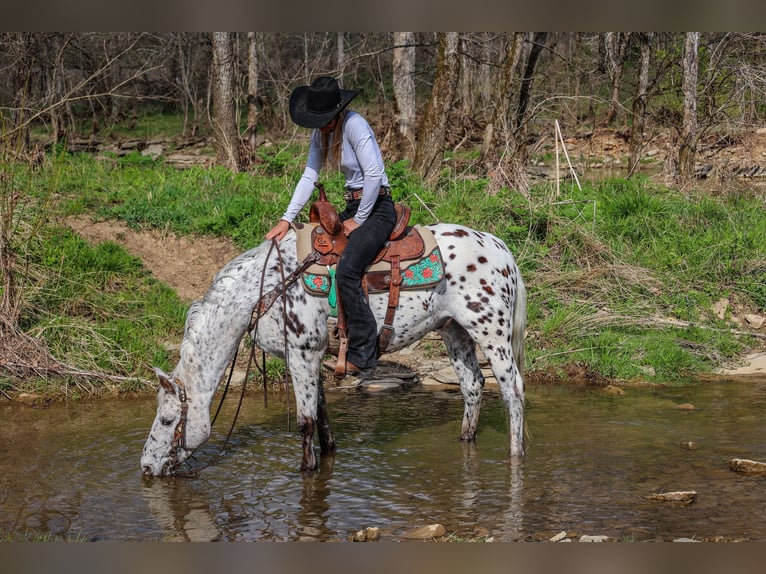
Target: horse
[481, 301]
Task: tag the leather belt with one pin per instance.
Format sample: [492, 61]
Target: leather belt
[354, 194]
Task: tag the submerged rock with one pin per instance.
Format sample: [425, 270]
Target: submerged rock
[685, 496]
[384, 385]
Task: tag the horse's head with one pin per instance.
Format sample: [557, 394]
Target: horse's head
[182, 424]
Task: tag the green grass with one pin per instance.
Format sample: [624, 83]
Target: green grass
[103, 296]
[35, 536]
[622, 275]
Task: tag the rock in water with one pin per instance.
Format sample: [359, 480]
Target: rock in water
[746, 466]
[687, 496]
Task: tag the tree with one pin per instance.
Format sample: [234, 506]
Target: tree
[22, 51]
[687, 145]
[404, 89]
[615, 43]
[538, 43]
[500, 143]
[640, 102]
[252, 89]
[432, 131]
[224, 118]
[341, 55]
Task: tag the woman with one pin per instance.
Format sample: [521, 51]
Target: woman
[342, 139]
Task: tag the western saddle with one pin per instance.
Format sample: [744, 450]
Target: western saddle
[328, 243]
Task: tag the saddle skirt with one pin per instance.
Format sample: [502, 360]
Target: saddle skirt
[413, 260]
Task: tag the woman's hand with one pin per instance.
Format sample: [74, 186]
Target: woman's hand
[279, 230]
[349, 226]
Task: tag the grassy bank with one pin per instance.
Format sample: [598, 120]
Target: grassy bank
[623, 275]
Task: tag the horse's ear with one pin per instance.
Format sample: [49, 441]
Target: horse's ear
[166, 381]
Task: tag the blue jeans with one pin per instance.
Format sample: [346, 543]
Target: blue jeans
[363, 245]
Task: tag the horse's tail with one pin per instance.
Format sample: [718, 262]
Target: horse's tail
[519, 325]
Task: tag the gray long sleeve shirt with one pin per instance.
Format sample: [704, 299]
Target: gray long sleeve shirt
[360, 162]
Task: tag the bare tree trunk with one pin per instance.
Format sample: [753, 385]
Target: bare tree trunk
[687, 147]
[498, 133]
[192, 60]
[485, 77]
[639, 103]
[467, 81]
[616, 44]
[432, 131]
[538, 43]
[341, 56]
[21, 50]
[224, 120]
[55, 87]
[500, 144]
[404, 89]
[252, 89]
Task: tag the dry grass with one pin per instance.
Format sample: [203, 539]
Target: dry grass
[26, 358]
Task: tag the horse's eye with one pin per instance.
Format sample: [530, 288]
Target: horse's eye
[166, 422]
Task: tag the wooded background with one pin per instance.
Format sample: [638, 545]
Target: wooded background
[424, 93]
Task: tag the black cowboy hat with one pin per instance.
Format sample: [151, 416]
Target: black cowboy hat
[316, 105]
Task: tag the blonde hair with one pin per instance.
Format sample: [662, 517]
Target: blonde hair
[331, 154]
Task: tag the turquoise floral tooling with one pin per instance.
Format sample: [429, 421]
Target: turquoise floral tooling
[424, 272]
[420, 274]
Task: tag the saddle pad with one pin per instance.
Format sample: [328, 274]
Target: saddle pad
[418, 273]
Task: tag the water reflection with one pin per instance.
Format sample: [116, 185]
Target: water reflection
[314, 505]
[181, 511]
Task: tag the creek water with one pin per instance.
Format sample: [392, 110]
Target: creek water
[73, 470]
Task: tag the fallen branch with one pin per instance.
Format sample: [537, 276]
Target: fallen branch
[62, 370]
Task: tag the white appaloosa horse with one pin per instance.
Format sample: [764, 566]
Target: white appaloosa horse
[481, 300]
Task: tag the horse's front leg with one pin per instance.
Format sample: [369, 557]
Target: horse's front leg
[309, 462]
[324, 430]
[311, 410]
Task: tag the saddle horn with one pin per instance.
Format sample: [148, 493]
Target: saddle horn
[324, 212]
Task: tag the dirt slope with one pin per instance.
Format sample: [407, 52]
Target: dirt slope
[186, 264]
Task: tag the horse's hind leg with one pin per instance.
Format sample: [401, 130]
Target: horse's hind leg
[511, 384]
[462, 354]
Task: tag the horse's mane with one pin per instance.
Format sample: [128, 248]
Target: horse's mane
[221, 293]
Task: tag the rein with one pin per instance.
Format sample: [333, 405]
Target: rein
[262, 306]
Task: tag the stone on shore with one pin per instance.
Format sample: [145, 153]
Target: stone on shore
[426, 532]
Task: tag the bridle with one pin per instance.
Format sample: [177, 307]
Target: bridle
[179, 433]
[262, 306]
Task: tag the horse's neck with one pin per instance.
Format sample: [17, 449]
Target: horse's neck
[216, 323]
